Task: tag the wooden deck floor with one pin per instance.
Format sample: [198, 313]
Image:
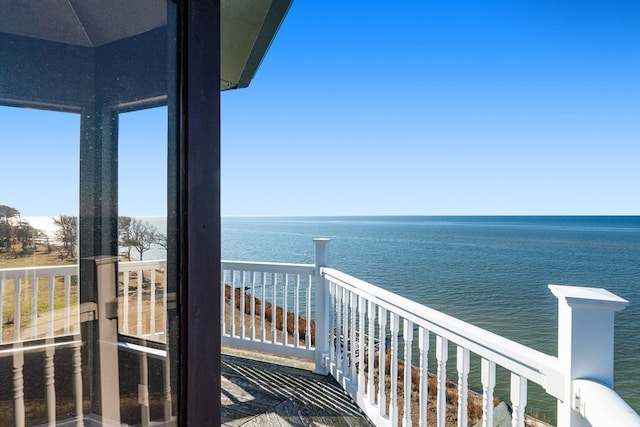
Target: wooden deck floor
[269, 393]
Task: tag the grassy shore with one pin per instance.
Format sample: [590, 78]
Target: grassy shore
[39, 257]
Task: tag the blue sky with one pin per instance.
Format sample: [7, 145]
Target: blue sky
[407, 107]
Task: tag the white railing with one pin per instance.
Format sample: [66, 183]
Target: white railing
[142, 299]
[268, 307]
[142, 304]
[38, 302]
[370, 323]
[39, 313]
[370, 341]
[365, 335]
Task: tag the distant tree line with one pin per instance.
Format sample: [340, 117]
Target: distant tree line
[19, 238]
[66, 234]
[139, 235]
[15, 231]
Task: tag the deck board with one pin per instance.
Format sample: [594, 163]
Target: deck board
[256, 393]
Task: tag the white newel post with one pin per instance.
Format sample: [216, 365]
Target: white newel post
[322, 307]
[106, 276]
[585, 342]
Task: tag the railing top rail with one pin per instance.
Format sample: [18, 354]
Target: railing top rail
[22, 272]
[137, 265]
[538, 367]
[34, 345]
[268, 267]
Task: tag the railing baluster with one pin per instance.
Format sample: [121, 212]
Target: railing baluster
[77, 382]
[125, 302]
[143, 390]
[223, 305]
[243, 279]
[164, 303]
[296, 313]
[423, 346]
[263, 319]
[52, 290]
[274, 303]
[67, 304]
[382, 392]
[18, 385]
[166, 379]
[308, 317]
[50, 383]
[285, 294]
[232, 306]
[518, 399]
[442, 354]
[407, 334]
[333, 318]
[462, 363]
[488, 376]
[152, 321]
[252, 326]
[361, 342]
[371, 314]
[352, 338]
[34, 306]
[76, 328]
[1, 312]
[139, 303]
[339, 339]
[17, 321]
[393, 404]
[344, 334]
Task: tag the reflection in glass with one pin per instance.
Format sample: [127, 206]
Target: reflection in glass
[40, 369]
[78, 81]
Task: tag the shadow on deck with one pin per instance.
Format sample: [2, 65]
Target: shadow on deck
[282, 393]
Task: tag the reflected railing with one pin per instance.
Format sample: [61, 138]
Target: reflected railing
[40, 314]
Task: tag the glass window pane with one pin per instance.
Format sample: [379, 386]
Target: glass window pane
[39, 288]
[84, 119]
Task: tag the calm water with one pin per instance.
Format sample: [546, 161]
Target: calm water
[490, 271]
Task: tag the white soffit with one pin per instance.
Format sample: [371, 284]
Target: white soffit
[247, 26]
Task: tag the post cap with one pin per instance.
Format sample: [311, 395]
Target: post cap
[589, 298]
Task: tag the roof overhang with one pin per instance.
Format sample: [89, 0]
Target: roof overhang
[93, 28]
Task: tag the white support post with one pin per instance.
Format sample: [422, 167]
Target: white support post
[108, 339]
[585, 342]
[322, 307]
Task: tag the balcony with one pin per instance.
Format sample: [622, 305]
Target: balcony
[354, 337]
